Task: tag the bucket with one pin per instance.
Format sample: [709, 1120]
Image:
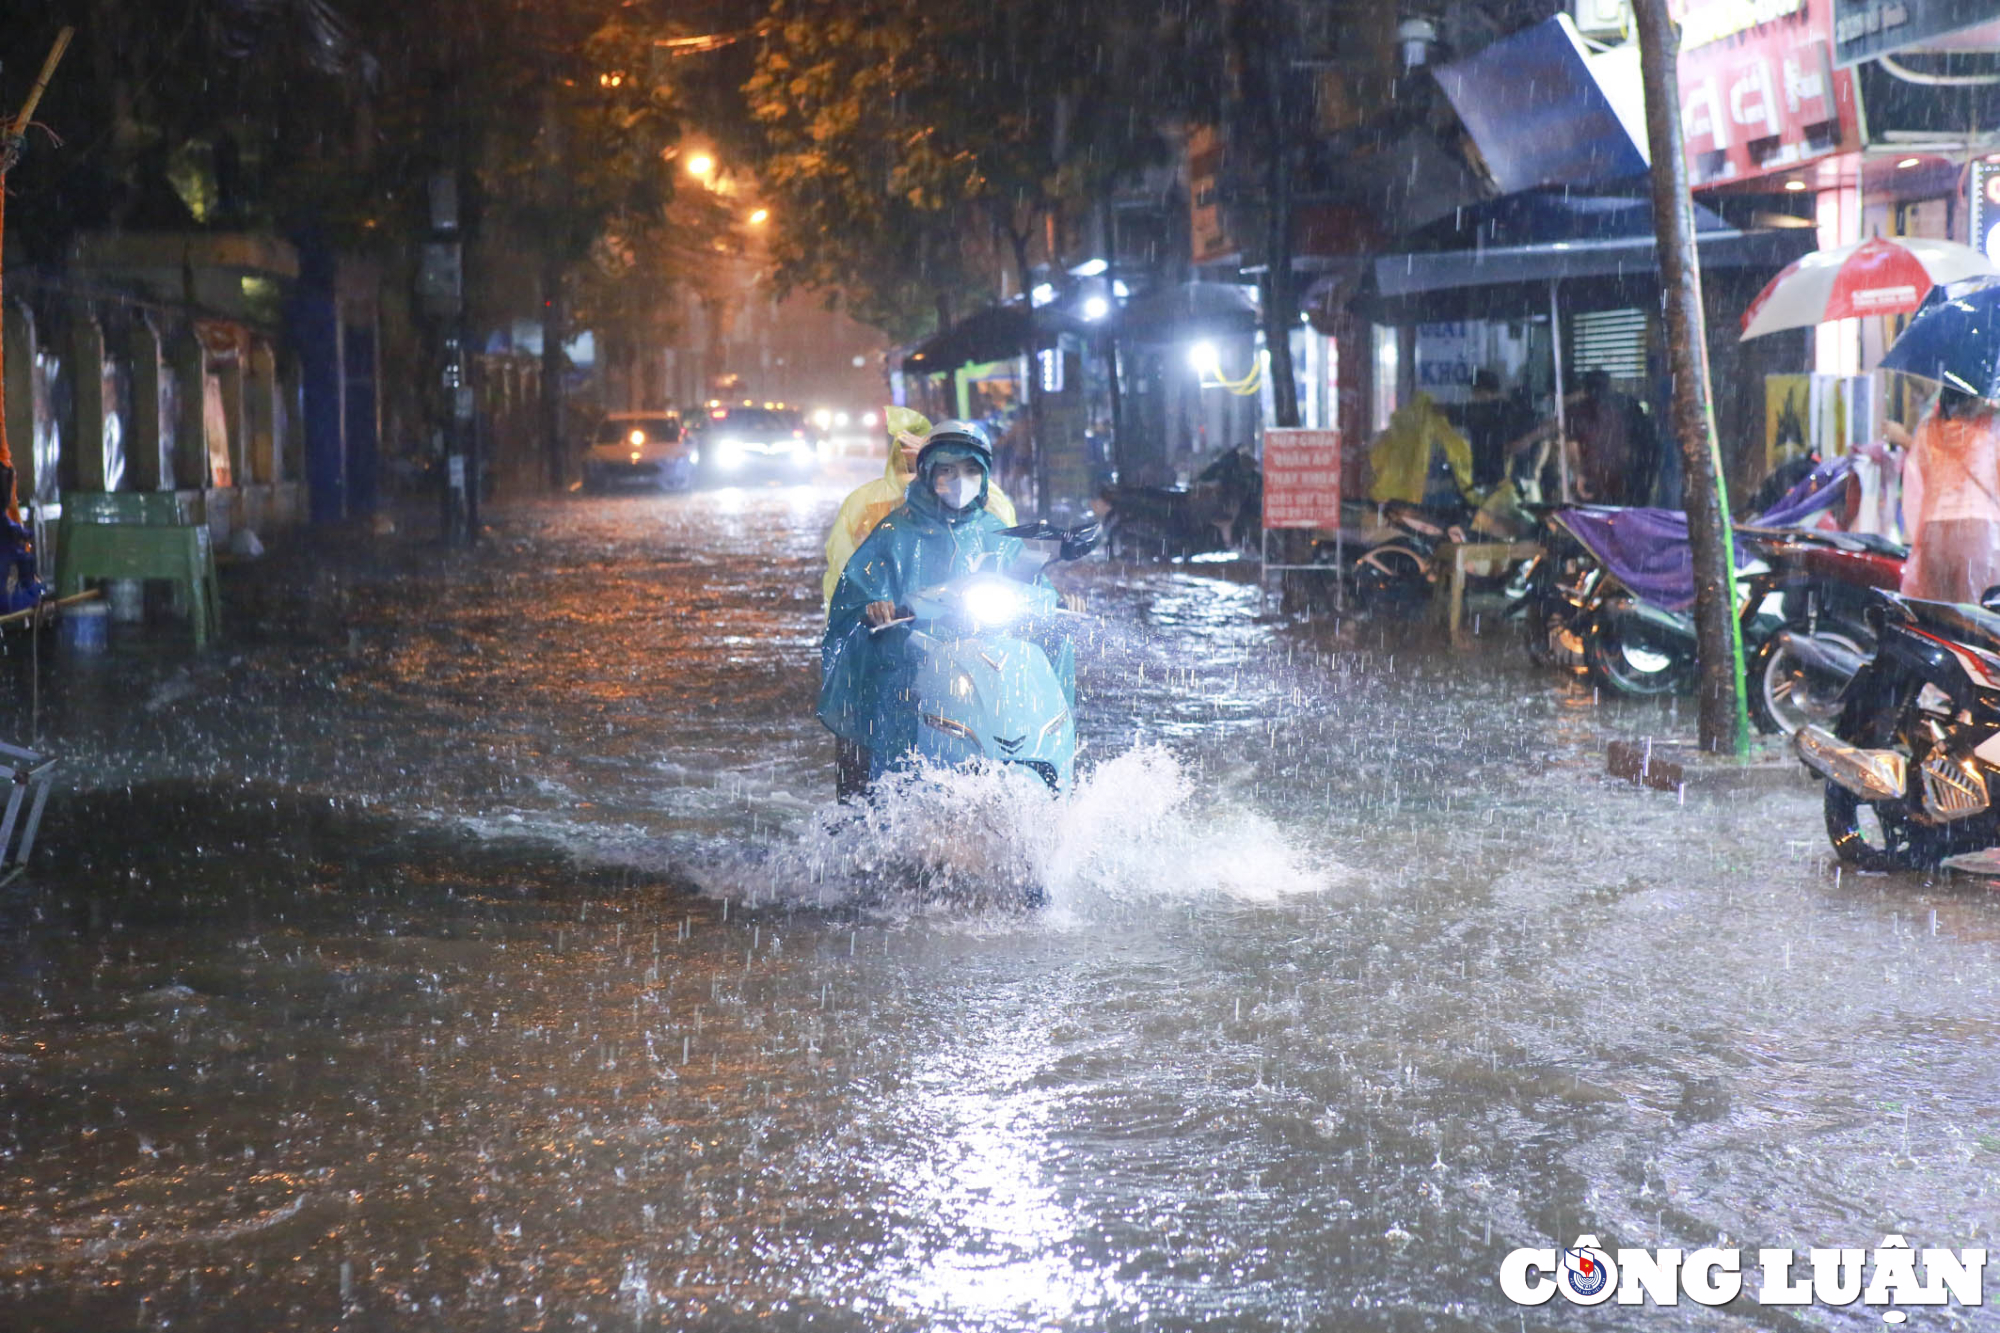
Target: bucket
[127, 600]
[83, 627]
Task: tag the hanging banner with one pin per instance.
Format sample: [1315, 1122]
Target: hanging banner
[1759, 90]
[1208, 228]
[1301, 478]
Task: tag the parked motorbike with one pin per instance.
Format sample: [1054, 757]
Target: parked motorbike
[1222, 511]
[1911, 762]
[1554, 591]
[1798, 674]
[1635, 638]
[1396, 574]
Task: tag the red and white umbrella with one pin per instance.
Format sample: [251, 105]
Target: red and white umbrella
[1882, 276]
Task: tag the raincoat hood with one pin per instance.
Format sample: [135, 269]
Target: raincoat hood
[924, 499]
[905, 426]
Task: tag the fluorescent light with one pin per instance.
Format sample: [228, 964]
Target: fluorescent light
[1909, 162]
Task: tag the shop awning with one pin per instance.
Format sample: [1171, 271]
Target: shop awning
[1189, 309]
[1512, 282]
[992, 334]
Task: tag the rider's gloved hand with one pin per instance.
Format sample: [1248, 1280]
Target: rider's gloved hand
[879, 613]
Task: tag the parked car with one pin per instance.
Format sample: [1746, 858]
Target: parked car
[647, 447]
[744, 443]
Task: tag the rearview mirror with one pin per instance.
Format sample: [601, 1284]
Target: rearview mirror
[1075, 543]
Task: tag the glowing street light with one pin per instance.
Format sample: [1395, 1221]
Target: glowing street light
[701, 164]
[760, 217]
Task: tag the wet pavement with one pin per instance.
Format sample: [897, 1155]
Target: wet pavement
[467, 944]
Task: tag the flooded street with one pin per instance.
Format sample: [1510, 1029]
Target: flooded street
[469, 942]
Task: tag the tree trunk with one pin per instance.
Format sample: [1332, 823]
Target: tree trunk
[1719, 640]
[1281, 313]
[554, 334]
[1037, 464]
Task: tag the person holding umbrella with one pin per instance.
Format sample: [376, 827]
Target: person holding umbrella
[1951, 501]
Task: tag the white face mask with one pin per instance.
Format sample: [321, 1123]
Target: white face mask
[958, 492]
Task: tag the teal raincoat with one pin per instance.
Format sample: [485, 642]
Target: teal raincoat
[864, 677]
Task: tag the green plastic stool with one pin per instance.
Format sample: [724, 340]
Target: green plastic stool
[159, 507]
[180, 553]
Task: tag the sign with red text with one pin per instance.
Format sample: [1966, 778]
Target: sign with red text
[1301, 478]
[1759, 89]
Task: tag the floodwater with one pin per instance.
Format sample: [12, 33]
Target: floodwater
[467, 944]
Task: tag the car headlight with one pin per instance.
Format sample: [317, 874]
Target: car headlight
[992, 603]
[729, 453]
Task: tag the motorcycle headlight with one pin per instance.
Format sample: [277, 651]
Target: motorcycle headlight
[992, 603]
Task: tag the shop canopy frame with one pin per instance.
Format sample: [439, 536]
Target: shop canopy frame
[1516, 282]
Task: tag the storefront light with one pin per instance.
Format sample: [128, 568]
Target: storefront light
[1795, 185]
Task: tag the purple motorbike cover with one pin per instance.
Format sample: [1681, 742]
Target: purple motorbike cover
[1647, 549]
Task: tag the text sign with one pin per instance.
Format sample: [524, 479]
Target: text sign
[1301, 478]
[1864, 29]
[1761, 94]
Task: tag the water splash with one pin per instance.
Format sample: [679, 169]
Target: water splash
[1136, 829]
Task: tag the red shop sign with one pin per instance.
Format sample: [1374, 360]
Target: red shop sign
[1301, 478]
[1759, 92]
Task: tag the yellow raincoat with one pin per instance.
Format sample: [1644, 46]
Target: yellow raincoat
[1401, 456]
[870, 504]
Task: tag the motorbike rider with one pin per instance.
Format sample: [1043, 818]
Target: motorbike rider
[870, 503]
[940, 532]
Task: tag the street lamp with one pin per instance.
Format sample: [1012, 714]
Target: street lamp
[760, 217]
[701, 164]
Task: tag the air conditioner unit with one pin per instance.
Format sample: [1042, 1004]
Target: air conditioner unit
[1603, 20]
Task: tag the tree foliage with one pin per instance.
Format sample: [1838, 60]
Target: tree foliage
[909, 144]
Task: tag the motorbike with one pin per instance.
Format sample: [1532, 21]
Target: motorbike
[1222, 511]
[1554, 592]
[1798, 674]
[1911, 762]
[1634, 633]
[983, 684]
